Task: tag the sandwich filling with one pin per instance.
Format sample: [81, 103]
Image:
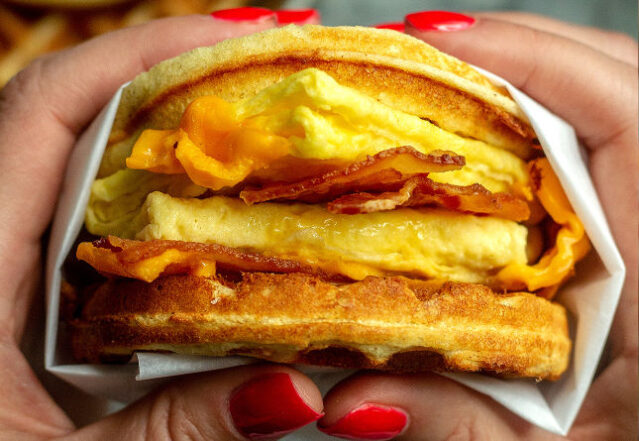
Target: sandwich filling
[312, 172]
[313, 119]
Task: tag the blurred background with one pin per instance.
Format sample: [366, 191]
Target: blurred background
[619, 15]
[29, 28]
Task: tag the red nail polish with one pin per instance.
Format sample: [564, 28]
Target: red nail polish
[243, 14]
[269, 406]
[298, 16]
[439, 21]
[368, 422]
[396, 26]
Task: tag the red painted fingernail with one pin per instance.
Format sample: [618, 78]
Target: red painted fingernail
[368, 422]
[269, 406]
[243, 14]
[298, 16]
[439, 21]
[396, 26]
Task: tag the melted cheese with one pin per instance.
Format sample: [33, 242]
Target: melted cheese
[147, 269]
[308, 115]
[571, 243]
[429, 243]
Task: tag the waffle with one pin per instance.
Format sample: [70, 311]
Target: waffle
[398, 70]
[387, 323]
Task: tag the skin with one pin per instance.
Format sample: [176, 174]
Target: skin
[594, 87]
[32, 161]
[589, 79]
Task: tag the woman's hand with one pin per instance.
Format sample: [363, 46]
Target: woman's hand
[590, 81]
[42, 111]
[588, 77]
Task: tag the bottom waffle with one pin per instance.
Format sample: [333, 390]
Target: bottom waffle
[387, 323]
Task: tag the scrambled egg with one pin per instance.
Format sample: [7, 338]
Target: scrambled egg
[116, 200]
[308, 115]
[430, 243]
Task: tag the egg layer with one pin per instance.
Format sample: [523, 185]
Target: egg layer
[308, 115]
[307, 123]
[427, 243]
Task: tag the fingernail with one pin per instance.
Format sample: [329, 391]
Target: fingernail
[269, 406]
[247, 14]
[368, 422]
[442, 21]
[396, 26]
[298, 16]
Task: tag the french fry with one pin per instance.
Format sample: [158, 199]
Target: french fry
[141, 13]
[23, 37]
[39, 40]
[101, 23]
[183, 7]
[216, 5]
[13, 28]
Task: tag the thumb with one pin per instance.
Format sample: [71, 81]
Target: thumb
[594, 92]
[46, 105]
[421, 407]
[583, 85]
[252, 402]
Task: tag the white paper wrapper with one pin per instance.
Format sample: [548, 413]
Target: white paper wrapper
[590, 298]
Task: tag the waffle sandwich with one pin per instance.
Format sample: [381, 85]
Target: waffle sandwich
[336, 196]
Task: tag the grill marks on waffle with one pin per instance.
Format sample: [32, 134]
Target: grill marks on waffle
[379, 322]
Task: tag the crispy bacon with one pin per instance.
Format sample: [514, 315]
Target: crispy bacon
[149, 260]
[420, 190]
[375, 173]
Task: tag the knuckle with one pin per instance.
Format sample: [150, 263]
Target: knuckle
[172, 418]
[24, 80]
[468, 429]
[25, 85]
[35, 88]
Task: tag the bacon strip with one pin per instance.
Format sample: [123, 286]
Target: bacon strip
[149, 260]
[375, 173]
[421, 190]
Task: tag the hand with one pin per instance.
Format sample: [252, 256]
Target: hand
[42, 111]
[588, 77]
[47, 106]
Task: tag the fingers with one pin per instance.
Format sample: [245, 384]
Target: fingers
[252, 402]
[45, 106]
[616, 45]
[593, 92]
[615, 172]
[371, 406]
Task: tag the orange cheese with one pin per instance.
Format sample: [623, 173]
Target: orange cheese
[571, 243]
[310, 117]
[171, 261]
[155, 151]
[211, 146]
[552, 269]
